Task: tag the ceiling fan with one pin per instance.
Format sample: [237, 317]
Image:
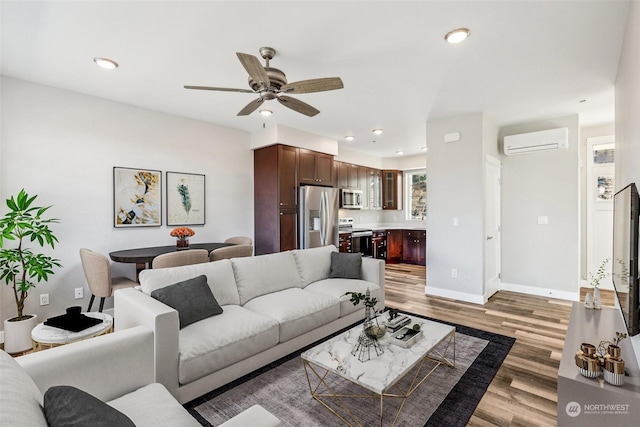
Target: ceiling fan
[270, 83]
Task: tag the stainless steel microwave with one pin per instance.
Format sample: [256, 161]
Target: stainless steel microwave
[350, 199]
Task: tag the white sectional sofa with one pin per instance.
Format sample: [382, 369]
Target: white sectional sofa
[271, 306]
[114, 368]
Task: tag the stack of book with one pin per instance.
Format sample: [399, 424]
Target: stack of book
[397, 323]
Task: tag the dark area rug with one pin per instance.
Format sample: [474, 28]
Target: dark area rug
[447, 398]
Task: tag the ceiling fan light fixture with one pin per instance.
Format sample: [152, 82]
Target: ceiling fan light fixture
[106, 63]
[266, 113]
[349, 138]
[377, 131]
[458, 35]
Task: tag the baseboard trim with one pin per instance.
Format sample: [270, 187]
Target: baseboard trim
[541, 292]
[460, 296]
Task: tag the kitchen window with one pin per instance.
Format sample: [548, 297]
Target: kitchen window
[416, 194]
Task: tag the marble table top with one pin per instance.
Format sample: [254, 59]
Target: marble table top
[51, 335]
[381, 372]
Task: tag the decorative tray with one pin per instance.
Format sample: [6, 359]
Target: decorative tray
[405, 337]
[73, 323]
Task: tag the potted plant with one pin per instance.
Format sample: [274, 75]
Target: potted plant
[372, 327]
[594, 280]
[20, 267]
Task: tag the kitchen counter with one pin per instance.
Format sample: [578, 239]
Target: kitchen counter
[377, 227]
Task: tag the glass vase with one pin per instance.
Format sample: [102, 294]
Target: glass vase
[182, 244]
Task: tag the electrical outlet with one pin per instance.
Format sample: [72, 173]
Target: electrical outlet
[454, 273]
[44, 299]
[79, 293]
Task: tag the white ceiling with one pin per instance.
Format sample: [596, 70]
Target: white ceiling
[524, 61]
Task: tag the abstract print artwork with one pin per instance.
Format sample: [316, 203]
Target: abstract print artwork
[137, 197]
[185, 199]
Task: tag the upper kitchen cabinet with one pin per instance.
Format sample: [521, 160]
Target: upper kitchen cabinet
[275, 198]
[347, 176]
[375, 189]
[391, 189]
[315, 168]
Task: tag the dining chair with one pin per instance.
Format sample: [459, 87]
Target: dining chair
[97, 272]
[239, 240]
[178, 258]
[235, 251]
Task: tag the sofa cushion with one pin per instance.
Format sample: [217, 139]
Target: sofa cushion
[217, 342]
[337, 288]
[192, 298]
[153, 406]
[313, 264]
[19, 396]
[264, 274]
[219, 277]
[297, 310]
[67, 406]
[345, 265]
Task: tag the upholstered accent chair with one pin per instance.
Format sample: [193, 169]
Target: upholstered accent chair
[97, 272]
[178, 258]
[239, 240]
[235, 251]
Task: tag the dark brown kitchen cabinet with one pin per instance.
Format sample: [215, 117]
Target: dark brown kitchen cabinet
[315, 168]
[348, 176]
[379, 244]
[391, 189]
[414, 247]
[394, 246]
[288, 230]
[344, 242]
[275, 198]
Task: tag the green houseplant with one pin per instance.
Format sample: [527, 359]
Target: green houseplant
[20, 267]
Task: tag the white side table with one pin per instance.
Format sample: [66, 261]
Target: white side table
[49, 336]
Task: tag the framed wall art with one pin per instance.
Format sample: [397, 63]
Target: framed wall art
[185, 199]
[137, 197]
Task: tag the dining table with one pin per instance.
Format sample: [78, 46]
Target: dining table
[143, 257]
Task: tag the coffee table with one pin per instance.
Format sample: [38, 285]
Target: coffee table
[44, 335]
[380, 375]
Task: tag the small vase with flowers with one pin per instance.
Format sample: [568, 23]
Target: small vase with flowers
[182, 235]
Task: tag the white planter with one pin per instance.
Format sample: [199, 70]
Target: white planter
[17, 335]
[596, 298]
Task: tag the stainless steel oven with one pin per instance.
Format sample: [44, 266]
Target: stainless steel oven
[361, 242]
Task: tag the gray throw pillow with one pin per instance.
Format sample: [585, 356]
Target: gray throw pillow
[66, 406]
[192, 299]
[345, 265]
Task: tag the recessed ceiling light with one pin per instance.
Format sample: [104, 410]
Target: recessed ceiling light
[106, 63]
[377, 131]
[424, 148]
[349, 137]
[266, 113]
[458, 35]
[399, 152]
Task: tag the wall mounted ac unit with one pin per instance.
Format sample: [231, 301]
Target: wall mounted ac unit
[551, 139]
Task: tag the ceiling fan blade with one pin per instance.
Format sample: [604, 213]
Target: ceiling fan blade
[251, 107]
[297, 105]
[254, 68]
[221, 89]
[313, 85]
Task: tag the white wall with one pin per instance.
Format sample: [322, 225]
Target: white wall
[63, 146]
[455, 189]
[542, 259]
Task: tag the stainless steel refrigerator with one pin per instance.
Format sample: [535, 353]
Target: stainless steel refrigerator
[318, 216]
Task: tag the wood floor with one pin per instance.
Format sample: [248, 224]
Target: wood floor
[524, 391]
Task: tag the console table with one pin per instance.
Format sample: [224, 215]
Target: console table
[593, 402]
